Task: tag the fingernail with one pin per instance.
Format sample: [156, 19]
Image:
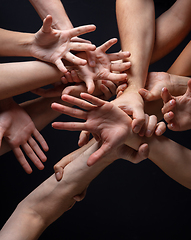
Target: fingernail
[58, 176]
[136, 129]
[148, 133]
[171, 102]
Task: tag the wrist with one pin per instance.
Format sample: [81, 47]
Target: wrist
[26, 43]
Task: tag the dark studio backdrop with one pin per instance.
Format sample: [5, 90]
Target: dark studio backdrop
[125, 201]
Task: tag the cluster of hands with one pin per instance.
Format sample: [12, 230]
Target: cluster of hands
[90, 78]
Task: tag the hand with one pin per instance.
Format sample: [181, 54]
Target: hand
[116, 122]
[154, 84]
[103, 89]
[104, 68]
[17, 128]
[177, 110]
[53, 45]
[132, 104]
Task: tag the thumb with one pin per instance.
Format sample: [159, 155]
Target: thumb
[47, 22]
[148, 95]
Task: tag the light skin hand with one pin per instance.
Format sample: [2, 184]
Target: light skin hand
[154, 84]
[177, 110]
[18, 130]
[134, 108]
[104, 68]
[103, 119]
[53, 45]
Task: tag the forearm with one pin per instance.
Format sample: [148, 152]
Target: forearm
[17, 78]
[171, 28]
[53, 195]
[169, 156]
[56, 10]
[182, 65]
[15, 43]
[136, 24]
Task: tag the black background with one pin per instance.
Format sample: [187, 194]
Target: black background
[125, 201]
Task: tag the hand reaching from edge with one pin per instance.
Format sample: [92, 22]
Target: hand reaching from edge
[177, 110]
[53, 45]
[18, 130]
[108, 123]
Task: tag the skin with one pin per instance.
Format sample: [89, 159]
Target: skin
[176, 110]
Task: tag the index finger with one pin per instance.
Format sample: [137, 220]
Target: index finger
[81, 30]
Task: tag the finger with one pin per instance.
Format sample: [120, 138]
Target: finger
[35, 148]
[166, 96]
[90, 85]
[147, 95]
[116, 77]
[120, 67]
[82, 46]
[59, 168]
[110, 85]
[107, 94]
[83, 138]
[138, 120]
[118, 56]
[70, 126]
[168, 106]
[41, 140]
[160, 129]
[104, 47]
[80, 102]
[91, 57]
[168, 117]
[94, 100]
[60, 65]
[121, 88]
[143, 152]
[74, 59]
[73, 112]
[77, 39]
[144, 127]
[188, 91]
[33, 157]
[151, 126]
[22, 160]
[75, 90]
[75, 77]
[102, 151]
[81, 30]
[47, 22]
[68, 77]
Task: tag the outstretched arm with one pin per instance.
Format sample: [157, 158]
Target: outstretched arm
[31, 217]
[174, 161]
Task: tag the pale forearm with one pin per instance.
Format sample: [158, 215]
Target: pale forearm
[17, 78]
[56, 10]
[136, 23]
[169, 156]
[15, 43]
[171, 28]
[53, 195]
[182, 65]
